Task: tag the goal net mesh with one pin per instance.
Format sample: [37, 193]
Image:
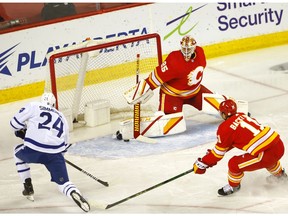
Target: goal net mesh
[102, 70]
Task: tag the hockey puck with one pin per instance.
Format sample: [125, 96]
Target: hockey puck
[126, 140]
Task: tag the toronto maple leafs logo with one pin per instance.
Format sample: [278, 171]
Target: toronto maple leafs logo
[4, 57]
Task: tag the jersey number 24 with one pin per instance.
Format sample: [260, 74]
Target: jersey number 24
[57, 125]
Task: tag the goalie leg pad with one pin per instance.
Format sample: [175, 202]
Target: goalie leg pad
[155, 126]
[211, 102]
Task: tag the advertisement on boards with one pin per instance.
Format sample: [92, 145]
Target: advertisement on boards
[23, 53]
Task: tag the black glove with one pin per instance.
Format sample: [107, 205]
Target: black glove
[20, 133]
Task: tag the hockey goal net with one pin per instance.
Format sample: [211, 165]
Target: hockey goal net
[96, 70]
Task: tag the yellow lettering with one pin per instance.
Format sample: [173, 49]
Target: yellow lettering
[137, 117]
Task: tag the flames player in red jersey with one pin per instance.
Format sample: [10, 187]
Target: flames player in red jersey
[180, 78]
[262, 145]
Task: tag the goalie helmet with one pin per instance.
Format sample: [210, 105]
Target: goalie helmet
[227, 108]
[48, 99]
[188, 46]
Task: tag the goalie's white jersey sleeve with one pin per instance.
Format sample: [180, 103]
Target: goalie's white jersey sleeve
[47, 128]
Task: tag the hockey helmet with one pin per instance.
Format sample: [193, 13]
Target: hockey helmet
[48, 99]
[227, 108]
[188, 46]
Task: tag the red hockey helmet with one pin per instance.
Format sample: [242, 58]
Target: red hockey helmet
[227, 108]
[188, 46]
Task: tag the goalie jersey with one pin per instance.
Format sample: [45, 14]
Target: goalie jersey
[47, 128]
[177, 77]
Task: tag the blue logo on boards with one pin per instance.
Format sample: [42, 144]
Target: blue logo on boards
[32, 59]
[4, 56]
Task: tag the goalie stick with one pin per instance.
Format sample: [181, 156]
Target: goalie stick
[148, 189]
[136, 122]
[137, 110]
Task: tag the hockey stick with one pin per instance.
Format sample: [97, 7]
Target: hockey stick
[80, 169]
[146, 139]
[148, 189]
[136, 122]
[137, 111]
[90, 175]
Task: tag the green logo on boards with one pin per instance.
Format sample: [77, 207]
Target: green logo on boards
[183, 19]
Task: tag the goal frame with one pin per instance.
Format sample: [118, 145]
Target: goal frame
[99, 46]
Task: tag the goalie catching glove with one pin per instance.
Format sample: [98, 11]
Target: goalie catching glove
[20, 133]
[140, 93]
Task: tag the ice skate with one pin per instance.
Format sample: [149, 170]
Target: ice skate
[227, 190]
[277, 179]
[80, 201]
[28, 191]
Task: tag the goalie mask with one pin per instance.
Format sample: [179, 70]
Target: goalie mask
[227, 108]
[48, 99]
[188, 46]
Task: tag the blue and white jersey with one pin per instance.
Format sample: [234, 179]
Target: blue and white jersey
[47, 128]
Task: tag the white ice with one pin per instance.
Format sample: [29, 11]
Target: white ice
[131, 167]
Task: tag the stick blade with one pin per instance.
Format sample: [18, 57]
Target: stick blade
[97, 205]
[103, 183]
[146, 139]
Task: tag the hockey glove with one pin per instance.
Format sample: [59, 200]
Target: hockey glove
[140, 93]
[199, 167]
[20, 133]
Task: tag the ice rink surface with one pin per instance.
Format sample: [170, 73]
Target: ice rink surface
[259, 76]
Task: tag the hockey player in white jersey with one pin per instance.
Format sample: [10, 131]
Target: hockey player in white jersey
[45, 133]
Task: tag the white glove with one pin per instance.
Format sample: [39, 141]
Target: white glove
[140, 93]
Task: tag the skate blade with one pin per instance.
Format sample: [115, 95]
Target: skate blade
[81, 202]
[30, 198]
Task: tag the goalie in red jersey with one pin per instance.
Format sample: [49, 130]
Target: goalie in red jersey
[179, 78]
[262, 145]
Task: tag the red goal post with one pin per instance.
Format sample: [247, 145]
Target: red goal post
[101, 70]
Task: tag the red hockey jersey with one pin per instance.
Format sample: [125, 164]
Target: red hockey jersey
[244, 133]
[178, 77]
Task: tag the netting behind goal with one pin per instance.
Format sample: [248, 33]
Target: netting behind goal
[95, 70]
